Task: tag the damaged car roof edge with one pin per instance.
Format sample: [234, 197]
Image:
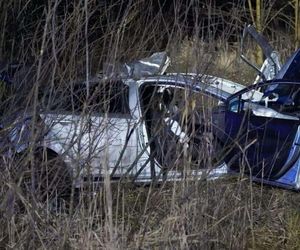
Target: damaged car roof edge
[184, 81]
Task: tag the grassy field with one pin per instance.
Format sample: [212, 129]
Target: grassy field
[69, 41]
[232, 213]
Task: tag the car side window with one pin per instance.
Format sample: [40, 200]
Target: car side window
[105, 97]
[112, 98]
[235, 105]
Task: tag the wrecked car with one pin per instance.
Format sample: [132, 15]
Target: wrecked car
[128, 126]
[146, 125]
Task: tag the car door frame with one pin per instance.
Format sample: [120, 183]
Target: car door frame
[177, 81]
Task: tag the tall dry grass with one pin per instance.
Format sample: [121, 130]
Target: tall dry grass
[62, 42]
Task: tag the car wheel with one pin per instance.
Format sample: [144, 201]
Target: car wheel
[45, 179]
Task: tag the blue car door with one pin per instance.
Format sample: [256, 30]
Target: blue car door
[261, 133]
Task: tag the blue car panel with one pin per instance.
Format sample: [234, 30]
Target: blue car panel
[262, 136]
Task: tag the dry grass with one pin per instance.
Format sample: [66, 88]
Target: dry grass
[226, 214]
[231, 213]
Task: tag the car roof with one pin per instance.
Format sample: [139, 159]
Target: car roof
[200, 83]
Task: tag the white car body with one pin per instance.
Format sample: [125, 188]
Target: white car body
[97, 145]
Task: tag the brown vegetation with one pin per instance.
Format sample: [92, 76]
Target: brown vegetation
[70, 40]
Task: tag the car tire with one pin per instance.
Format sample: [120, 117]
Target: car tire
[45, 179]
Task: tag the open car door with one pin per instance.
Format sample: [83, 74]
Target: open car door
[261, 136]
